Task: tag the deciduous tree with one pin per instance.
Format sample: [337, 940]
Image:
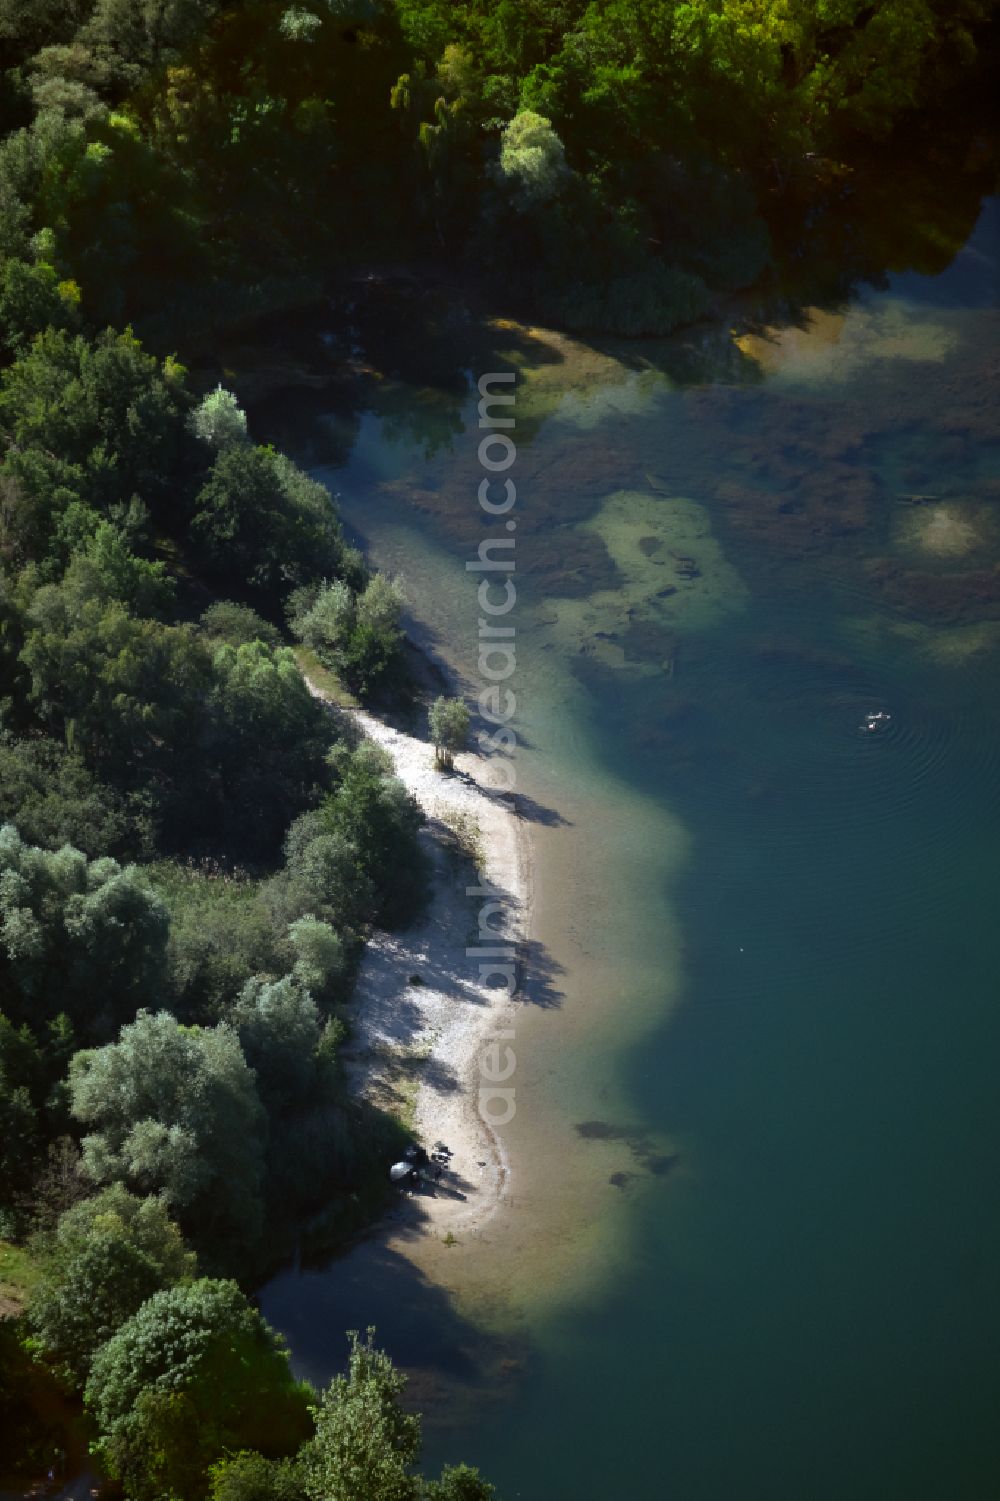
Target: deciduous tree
[193, 1374]
[449, 721]
[106, 1256]
[175, 1110]
[82, 936]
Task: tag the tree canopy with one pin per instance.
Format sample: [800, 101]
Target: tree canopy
[366, 1446]
[194, 1372]
[87, 937]
[106, 1256]
[449, 721]
[175, 1110]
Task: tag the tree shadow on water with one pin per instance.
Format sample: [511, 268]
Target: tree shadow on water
[539, 974]
[449, 1361]
[533, 811]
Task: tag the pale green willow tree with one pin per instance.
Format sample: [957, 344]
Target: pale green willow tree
[356, 633]
[174, 1110]
[298, 25]
[365, 1445]
[449, 721]
[380, 604]
[319, 953]
[219, 420]
[327, 625]
[532, 159]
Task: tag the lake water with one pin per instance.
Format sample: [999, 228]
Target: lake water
[759, 641]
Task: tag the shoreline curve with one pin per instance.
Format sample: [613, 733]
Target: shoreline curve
[416, 1046]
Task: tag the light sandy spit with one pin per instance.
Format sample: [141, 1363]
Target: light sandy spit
[416, 1048]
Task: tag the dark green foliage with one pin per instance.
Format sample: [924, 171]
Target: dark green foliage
[231, 737]
[185, 165]
[83, 937]
[587, 268]
[54, 800]
[115, 687]
[208, 731]
[13, 679]
[319, 1164]
[20, 1139]
[264, 525]
[660, 134]
[194, 1373]
[221, 933]
[373, 815]
[105, 1257]
[96, 421]
[231, 624]
[58, 1184]
[313, 1154]
[101, 567]
[268, 741]
[250, 755]
[648, 303]
[323, 873]
[709, 217]
[31, 300]
[279, 1028]
[29, 1433]
[250, 1477]
[226, 929]
[33, 1108]
[139, 132]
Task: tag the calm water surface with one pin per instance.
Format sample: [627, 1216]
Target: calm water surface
[811, 1302]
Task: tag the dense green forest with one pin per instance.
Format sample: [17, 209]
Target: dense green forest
[611, 163]
[192, 847]
[191, 852]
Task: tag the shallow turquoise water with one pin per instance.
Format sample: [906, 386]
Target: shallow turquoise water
[813, 1308]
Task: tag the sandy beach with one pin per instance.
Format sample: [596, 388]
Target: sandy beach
[420, 1016]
